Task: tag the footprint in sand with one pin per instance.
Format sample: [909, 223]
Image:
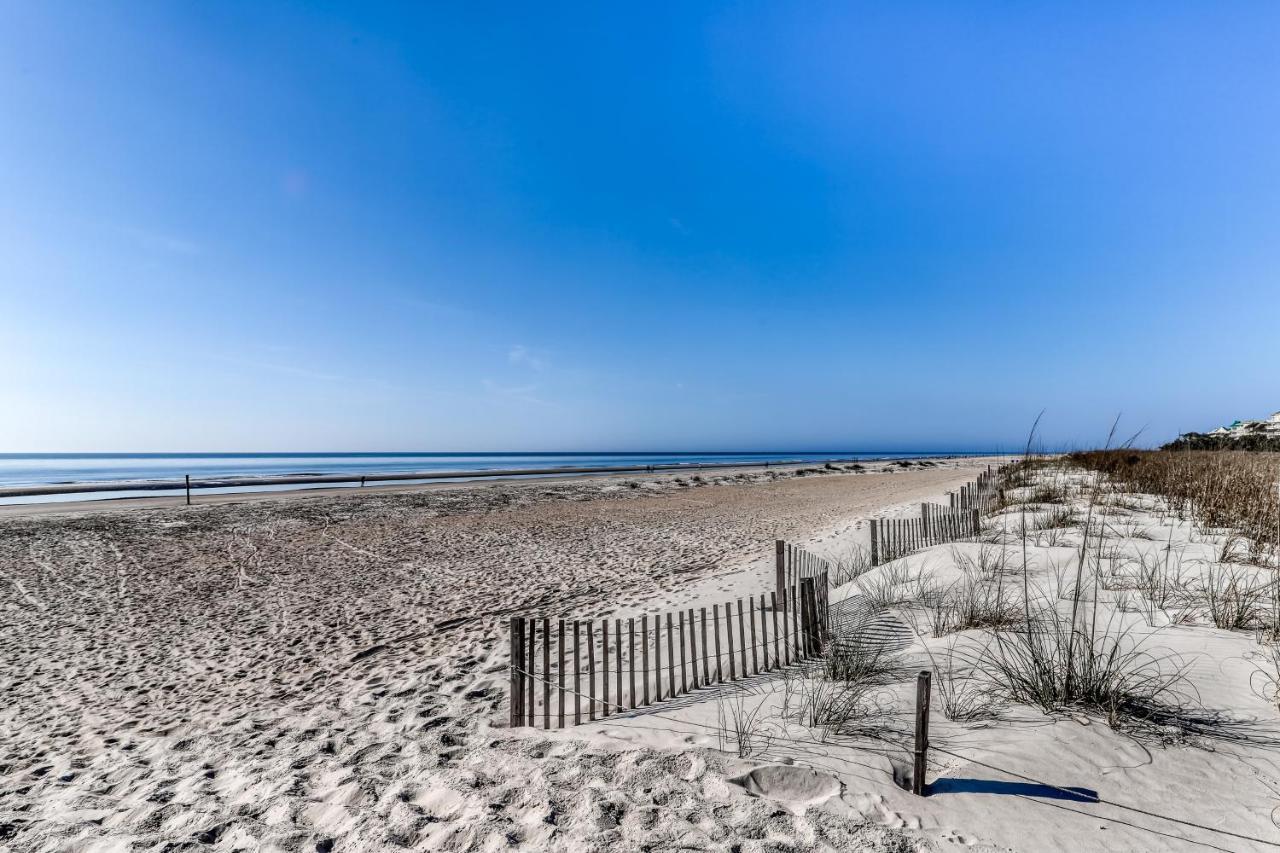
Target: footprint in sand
[956, 838]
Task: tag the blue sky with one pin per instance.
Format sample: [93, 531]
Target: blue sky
[248, 226]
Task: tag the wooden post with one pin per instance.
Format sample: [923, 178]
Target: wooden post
[742, 638]
[560, 677]
[517, 677]
[815, 629]
[728, 624]
[764, 633]
[546, 672]
[777, 660]
[795, 621]
[684, 678]
[922, 733]
[706, 673]
[715, 629]
[657, 657]
[617, 638]
[644, 657]
[188, 490]
[693, 649]
[755, 657]
[591, 669]
[977, 523]
[531, 695]
[786, 633]
[671, 661]
[875, 543]
[577, 675]
[780, 565]
[806, 617]
[631, 660]
[604, 681]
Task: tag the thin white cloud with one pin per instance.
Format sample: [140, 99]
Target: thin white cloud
[521, 355]
[157, 241]
[518, 393]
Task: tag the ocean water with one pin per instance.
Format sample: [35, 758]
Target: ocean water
[23, 469]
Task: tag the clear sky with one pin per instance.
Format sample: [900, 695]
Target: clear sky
[273, 226]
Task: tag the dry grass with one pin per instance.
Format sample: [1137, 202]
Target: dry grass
[1232, 490]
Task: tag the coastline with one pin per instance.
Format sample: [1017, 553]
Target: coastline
[215, 497]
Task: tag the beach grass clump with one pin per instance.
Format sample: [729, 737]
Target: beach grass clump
[851, 564]
[972, 603]
[892, 585]
[849, 689]
[1054, 667]
[1235, 599]
[962, 695]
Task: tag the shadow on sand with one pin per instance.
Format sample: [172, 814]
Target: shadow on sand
[1020, 789]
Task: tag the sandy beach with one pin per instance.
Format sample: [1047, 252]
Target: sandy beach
[327, 671]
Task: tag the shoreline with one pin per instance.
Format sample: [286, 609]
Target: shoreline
[397, 486]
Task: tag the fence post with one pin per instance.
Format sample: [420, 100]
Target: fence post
[188, 490]
[591, 669]
[577, 674]
[517, 678]
[644, 656]
[780, 569]
[560, 658]
[977, 524]
[875, 543]
[532, 690]
[922, 733]
[671, 660]
[806, 616]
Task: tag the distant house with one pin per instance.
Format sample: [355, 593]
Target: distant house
[1238, 435]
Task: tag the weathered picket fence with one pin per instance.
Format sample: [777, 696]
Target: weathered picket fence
[983, 494]
[793, 563]
[565, 670]
[892, 538]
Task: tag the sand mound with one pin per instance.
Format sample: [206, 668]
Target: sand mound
[799, 786]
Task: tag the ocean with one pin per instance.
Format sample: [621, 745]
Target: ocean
[34, 469]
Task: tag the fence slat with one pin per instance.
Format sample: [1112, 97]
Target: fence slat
[591, 669]
[560, 675]
[786, 631]
[657, 657]
[577, 677]
[728, 624]
[780, 564]
[617, 640]
[631, 657]
[604, 680]
[715, 629]
[517, 678]
[644, 657]
[794, 593]
[706, 673]
[532, 690]
[684, 680]
[671, 660]
[755, 657]
[742, 639]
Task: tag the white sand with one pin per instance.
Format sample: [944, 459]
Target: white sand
[999, 784]
[329, 672]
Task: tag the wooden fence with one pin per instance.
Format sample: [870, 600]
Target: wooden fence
[566, 670]
[793, 563]
[892, 538]
[982, 494]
